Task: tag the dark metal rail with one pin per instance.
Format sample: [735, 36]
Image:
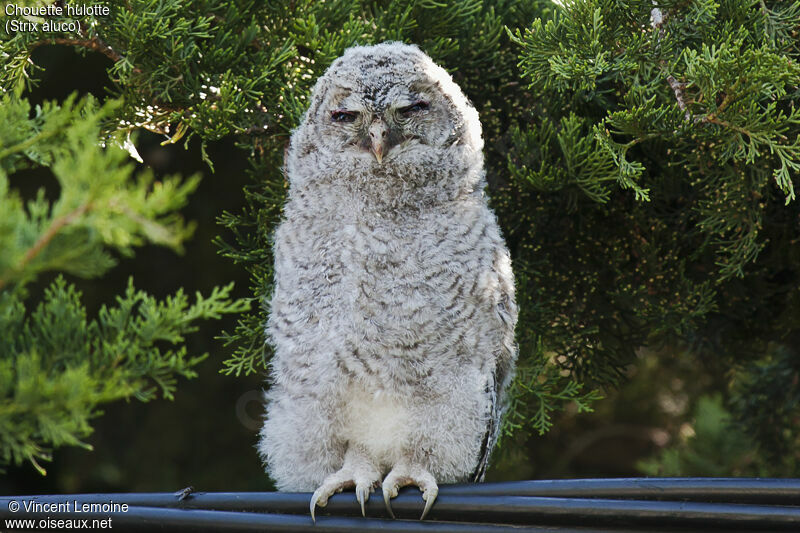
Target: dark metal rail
[602, 505]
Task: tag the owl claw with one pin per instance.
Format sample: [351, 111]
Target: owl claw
[387, 495]
[400, 476]
[362, 495]
[316, 500]
[357, 472]
[321, 495]
[429, 496]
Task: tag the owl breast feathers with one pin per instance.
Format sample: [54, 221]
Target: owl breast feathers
[393, 310]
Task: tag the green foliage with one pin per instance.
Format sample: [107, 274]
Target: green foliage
[696, 115]
[641, 158]
[99, 205]
[766, 399]
[56, 365]
[537, 392]
[711, 446]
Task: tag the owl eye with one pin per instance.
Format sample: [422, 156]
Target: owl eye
[416, 107]
[341, 115]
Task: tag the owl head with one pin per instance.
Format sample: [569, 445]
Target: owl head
[387, 112]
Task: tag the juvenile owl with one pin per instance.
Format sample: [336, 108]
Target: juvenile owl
[393, 311]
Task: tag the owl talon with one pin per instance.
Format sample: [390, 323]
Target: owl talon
[387, 495]
[316, 499]
[403, 475]
[357, 471]
[429, 496]
[328, 489]
[362, 495]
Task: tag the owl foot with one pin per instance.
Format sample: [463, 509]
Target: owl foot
[403, 475]
[357, 472]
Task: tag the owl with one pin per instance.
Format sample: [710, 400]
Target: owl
[393, 313]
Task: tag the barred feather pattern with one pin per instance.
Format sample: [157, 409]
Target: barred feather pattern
[393, 311]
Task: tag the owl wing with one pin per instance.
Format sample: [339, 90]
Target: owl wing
[498, 382]
[492, 431]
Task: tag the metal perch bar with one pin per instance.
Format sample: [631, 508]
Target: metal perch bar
[672, 504]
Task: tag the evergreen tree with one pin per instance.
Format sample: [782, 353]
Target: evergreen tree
[659, 160]
[641, 156]
[57, 366]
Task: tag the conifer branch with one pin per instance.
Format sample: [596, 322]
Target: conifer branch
[95, 44]
[51, 232]
[712, 117]
[27, 143]
[714, 120]
[56, 226]
[58, 365]
[677, 88]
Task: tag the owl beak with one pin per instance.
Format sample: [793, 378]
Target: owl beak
[378, 138]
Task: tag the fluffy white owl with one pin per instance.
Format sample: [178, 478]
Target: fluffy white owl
[393, 311]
